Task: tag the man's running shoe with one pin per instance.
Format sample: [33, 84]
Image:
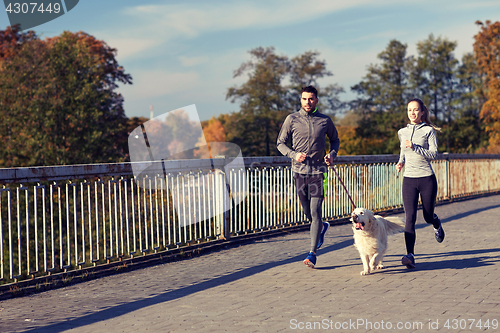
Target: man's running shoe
[310, 260]
[326, 225]
[408, 260]
[439, 234]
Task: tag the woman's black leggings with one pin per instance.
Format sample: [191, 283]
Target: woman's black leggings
[427, 188]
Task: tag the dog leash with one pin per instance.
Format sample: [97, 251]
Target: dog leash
[341, 182]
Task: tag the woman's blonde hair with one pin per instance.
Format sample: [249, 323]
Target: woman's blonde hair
[425, 117]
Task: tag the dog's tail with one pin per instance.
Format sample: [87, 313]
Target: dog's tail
[394, 225]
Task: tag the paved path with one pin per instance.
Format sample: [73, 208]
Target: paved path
[264, 287]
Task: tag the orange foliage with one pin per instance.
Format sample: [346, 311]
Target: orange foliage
[487, 51]
[350, 144]
[58, 100]
[11, 40]
[213, 132]
[347, 136]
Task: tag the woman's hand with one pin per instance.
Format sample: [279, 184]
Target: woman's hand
[409, 144]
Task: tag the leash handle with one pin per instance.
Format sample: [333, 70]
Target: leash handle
[341, 182]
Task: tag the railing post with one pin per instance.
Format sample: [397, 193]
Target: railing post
[223, 189]
[226, 234]
[448, 176]
[224, 205]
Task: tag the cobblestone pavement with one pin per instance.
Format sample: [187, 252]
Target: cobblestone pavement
[265, 287]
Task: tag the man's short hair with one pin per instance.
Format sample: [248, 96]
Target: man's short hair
[309, 89]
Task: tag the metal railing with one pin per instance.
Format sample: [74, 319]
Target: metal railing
[65, 218]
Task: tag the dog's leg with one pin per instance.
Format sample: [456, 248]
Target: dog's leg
[376, 262]
[366, 267]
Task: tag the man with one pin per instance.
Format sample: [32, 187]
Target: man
[307, 129]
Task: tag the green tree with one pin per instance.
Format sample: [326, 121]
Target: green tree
[465, 131]
[305, 70]
[434, 80]
[383, 94]
[451, 90]
[58, 99]
[265, 99]
[433, 75]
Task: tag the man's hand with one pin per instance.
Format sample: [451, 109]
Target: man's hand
[328, 160]
[300, 157]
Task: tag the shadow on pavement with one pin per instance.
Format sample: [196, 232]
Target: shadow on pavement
[122, 309]
[468, 213]
[458, 262]
[425, 262]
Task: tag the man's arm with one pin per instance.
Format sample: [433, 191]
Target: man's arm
[283, 136]
[333, 136]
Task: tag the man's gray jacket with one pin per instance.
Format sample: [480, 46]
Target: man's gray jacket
[307, 131]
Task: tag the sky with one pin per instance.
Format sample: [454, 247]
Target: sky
[181, 53]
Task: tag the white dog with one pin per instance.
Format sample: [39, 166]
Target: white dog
[370, 236]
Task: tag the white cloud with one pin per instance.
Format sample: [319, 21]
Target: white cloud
[149, 84]
[387, 34]
[169, 88]
[193, 61]
[348, 67]
[169, 28]
[157, 25]
[478, 4]
[191, 20]
[128, 47]
[463, 35]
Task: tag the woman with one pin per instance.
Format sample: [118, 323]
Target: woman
[418, 148]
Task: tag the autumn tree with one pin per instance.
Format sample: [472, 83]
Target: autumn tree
[351, 144]
[487, 51]
[11, 40]
[58, 101]
[213, 131]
